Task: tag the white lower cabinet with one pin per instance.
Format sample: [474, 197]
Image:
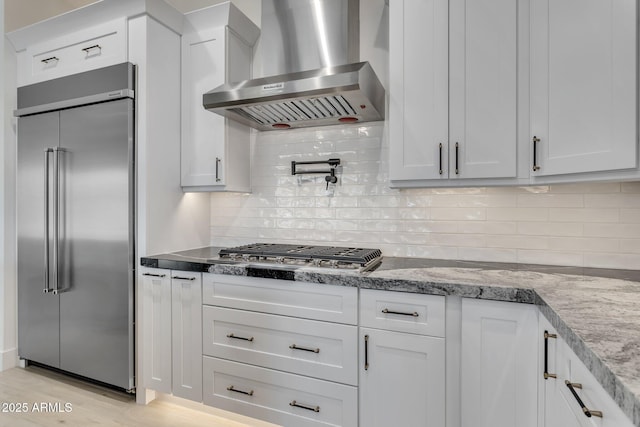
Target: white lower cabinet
[402, 375]
[278, 397]
[498, 364]
[591, 406]
[172, 332]
[186, 333]
[281, 351]
[307, 347]
[156, 321]
[402, 379]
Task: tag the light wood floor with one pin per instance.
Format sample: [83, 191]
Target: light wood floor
[92, 405]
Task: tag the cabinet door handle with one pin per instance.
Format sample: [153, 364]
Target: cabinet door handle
[457, 152]
[154, 275]
[309, 408]
[387, 311]
[366, 352]
[311, 350]
[51, 59]
[183, 278]
[250, 339]
[535, 153]
[235, 390]
[218, 160]
[546, 374]
[440, 157]
[90, 48]
[587, 412]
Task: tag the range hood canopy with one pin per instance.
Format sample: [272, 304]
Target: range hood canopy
[301, 41]
[327, 96]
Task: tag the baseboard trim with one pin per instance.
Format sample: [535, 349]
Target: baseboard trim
[8, 359]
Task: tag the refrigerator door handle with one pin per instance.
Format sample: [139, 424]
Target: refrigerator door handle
[56, 219]
[47, 266]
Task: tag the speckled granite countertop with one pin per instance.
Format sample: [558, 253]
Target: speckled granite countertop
[596, 311]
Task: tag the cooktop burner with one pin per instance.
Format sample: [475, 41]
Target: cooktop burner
[318, 256]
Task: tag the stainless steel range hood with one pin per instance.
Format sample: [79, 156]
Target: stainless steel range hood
[309, 55]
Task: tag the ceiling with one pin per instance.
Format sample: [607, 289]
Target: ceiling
[20, 13]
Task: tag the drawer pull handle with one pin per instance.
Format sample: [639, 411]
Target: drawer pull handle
[312, 350]
[546, 374]
[308, 408]
[53, 58]
[235, 390]
[90, 48]
[250, 339]
[387, 311]
[587, 412]
[154, 275]
[183, 278]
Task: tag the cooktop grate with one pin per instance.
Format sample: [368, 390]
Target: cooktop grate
[361, 256]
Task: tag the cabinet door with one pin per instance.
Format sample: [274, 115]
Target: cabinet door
[402, 379]
[156, 327]
[584, 85]
[418, 89]
[186, 319]
[203, 132]
[499, 364]
[548, 363]
[83, 50]
[215, 151]
[483, 88]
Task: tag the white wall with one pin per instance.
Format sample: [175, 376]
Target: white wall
[8, 333]
[592, 225]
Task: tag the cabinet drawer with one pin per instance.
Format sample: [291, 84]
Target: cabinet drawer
[308, 347]
[402, 312]
[307, 300]
[278, 397]
[88, 49]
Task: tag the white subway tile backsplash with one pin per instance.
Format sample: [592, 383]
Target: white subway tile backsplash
[459, 214]
[550, 257]
[592, 225]
[550, 200]
[584, 214]
[630, 246]
[630, 215]
[488, 254]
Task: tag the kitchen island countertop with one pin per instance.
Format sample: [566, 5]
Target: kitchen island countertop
[596, 311]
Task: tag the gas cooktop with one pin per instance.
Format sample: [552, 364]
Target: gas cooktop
[361, 259]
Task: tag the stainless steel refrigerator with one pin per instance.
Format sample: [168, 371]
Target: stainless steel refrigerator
[76, 224]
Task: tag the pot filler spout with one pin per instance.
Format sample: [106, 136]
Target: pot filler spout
[310, 52]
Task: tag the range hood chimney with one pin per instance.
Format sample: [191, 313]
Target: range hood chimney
[311, 74]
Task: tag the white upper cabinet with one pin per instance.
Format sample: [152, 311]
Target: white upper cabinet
[83, 50]
[483, 88]
[217, 47]
[453, 90]
[418, 89]
[583, 86]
